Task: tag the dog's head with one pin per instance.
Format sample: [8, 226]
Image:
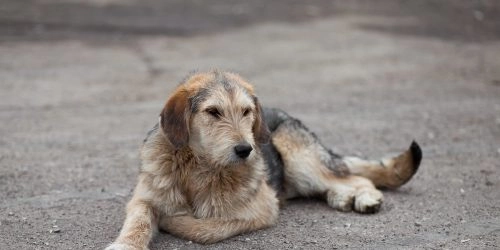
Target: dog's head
[216, 115]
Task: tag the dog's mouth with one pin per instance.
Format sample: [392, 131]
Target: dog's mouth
[238, 161]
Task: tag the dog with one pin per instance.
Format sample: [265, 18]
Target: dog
[217, 164]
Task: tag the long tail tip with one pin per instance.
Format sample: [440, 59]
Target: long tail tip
[416, 154]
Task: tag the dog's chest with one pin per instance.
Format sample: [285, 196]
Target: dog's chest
[221, 194]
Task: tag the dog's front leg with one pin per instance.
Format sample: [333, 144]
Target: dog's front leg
[210, 230]
[140, 223]
[259, 213]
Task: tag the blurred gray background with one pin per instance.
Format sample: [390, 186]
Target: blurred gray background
[82, 81]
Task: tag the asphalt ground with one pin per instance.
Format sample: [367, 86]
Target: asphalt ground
[81, 82]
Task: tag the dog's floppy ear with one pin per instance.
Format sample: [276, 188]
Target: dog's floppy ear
[174, 119]
[260, 130]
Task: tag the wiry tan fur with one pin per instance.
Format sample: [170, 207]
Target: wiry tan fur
[193, 186]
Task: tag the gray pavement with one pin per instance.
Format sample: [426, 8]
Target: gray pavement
[81, 82]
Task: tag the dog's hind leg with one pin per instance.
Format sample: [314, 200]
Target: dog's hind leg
[312, 170]
[346, 182]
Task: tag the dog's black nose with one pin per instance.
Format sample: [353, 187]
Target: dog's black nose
[243, 150]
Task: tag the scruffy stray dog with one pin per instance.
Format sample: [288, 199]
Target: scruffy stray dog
[217, 165]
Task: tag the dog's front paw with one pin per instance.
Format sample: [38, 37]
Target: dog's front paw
[120, 246]
[368, 201]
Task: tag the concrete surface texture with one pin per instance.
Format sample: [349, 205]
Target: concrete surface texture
[81, 82]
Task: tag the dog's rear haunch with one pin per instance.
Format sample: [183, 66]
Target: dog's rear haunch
[217, 164]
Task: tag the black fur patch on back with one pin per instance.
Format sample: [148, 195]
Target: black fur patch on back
[274, 165]
[274, 117]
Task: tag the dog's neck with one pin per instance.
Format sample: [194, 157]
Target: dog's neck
[210, 187]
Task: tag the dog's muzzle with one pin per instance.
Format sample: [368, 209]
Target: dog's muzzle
[243, 150]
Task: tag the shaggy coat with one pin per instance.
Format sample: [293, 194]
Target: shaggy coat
[217, 164]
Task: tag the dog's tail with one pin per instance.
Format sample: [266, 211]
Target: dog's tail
[391, 172]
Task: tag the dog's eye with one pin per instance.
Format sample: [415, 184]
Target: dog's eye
[213, 112]
[246, 112]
